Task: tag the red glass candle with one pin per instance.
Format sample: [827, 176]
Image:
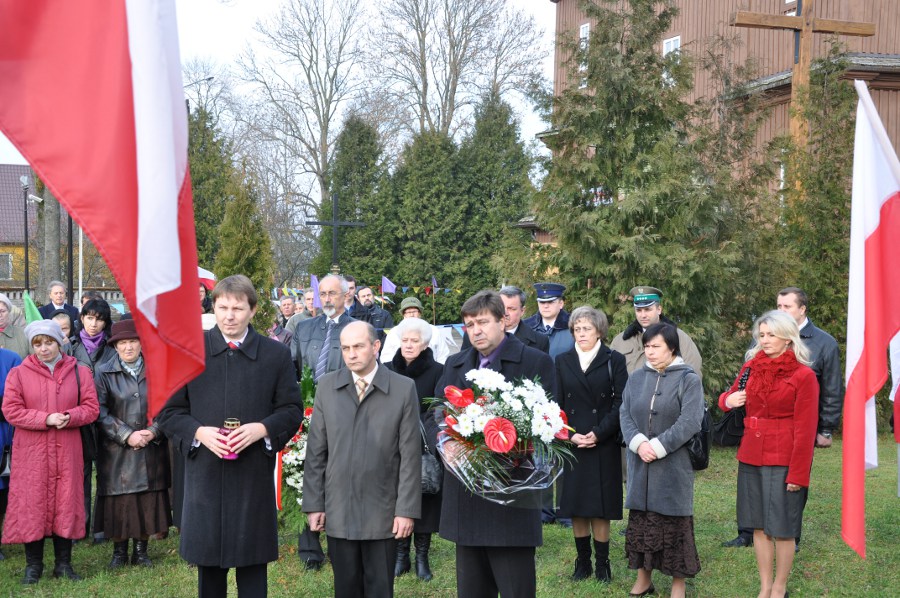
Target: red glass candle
[226, 429]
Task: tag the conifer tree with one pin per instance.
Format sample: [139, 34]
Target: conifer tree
[245, 248]
[210, 157]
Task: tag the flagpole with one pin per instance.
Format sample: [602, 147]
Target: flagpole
[433, 308]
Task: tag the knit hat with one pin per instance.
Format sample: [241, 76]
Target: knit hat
[48, 327]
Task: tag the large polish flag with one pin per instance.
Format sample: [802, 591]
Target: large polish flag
[91, 95]
[873, 310]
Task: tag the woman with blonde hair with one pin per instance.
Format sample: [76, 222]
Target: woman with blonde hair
[781, 398]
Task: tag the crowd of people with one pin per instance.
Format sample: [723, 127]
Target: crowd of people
[74, 395]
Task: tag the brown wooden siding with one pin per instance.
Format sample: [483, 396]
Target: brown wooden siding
[699, 20]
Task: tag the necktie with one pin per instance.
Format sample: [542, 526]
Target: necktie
[233, 345]
[322, 362]
[547, 329]
[361, 386]
[485, 362]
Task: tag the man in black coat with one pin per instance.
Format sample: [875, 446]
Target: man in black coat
[368, 311]
[514, 302]
[229, 517]
[56, 292]
[495, 544]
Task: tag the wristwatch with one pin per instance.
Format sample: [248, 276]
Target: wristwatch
[826, 434]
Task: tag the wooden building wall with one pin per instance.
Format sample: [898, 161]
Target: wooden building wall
[699, 20]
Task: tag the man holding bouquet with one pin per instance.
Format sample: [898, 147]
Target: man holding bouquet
[495, 544]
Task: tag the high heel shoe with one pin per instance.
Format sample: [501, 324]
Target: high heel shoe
[648, 592]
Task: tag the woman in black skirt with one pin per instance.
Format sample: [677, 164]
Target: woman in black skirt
[590, 379]
[662, 407]
[415, 360]
[776, 453]
[132, 461]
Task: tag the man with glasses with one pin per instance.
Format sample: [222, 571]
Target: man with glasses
[317, 341]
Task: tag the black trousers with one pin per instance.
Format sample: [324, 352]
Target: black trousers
[252, 581]
[483, 571]
[362, 568]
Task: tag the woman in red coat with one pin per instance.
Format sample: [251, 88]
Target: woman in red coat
[782, 402]
[46, 405]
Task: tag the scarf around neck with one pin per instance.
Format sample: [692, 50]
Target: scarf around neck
[92, 343]
[766, 371]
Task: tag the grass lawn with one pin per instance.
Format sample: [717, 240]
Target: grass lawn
[824, 567]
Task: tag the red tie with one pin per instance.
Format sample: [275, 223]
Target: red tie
[232, 345]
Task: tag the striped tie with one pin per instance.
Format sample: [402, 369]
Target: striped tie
[361, 386]
[322, 362]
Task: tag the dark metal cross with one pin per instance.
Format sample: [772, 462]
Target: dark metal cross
[334, 223]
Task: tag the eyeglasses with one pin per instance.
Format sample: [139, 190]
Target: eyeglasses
[329, 294]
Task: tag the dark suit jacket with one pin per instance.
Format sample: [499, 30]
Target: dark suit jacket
[46, 310]
[465, 518]
[310, 337]
[524, 333]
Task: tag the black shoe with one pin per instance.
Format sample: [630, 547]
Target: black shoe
[402, 564]
[739, 542]
[312, 565]
[567, 523]
[65, 570]
[582, 568]
[423, 567]
[32, 574]
[120, 555]
[603, 572]
[139, 555]
[2, 556]
[649, 591]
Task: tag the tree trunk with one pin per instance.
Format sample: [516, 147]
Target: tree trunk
[50, 266]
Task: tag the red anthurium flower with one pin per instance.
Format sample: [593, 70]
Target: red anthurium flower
[459, 398]
[500, 435]
[563, 433]
[307, 412]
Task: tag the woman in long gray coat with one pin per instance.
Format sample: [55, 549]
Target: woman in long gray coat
[662, 407]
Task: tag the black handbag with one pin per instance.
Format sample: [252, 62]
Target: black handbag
[88, 431]
[698, 445]
[729, 430]
[432, 470]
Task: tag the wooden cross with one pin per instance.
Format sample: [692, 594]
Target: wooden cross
[334, 223]
[804, 24]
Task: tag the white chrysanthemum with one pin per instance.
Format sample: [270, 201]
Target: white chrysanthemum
[488, 380]
[515, 404]
[481, 420]
[466, 427]
[474, 410]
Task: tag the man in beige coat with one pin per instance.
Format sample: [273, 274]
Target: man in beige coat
[362, 477]
[648, 311]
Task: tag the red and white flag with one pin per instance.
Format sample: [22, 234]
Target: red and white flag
[873, 310]
[92, 96]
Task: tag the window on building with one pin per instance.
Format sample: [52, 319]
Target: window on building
[672, 44]
[5, 266]
[584, 35]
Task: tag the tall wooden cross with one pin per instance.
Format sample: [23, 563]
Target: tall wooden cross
[334, 223]
[804, 24]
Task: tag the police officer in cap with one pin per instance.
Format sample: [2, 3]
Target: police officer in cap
[551, 319]
[648, 311]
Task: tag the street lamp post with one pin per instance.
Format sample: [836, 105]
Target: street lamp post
[24, 180]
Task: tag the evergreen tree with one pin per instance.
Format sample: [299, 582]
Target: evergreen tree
[433, 215]
[210, 158]
[636, 192]
[246, 249]
[817, 193]
[494, 169]
[359, 179]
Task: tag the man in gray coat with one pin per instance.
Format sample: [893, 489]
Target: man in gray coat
[317, 340]
[362, 483]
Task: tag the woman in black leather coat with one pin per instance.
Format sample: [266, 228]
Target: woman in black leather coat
[132, 460]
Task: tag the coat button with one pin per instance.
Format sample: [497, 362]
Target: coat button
[758, 434]
[593, 411]
[137, 395]
[602, 396]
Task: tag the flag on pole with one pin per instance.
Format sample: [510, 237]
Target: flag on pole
[873, 310]
[207, 278]
[387, 286]
[32, 314]
[92, 97]
[434, 284]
